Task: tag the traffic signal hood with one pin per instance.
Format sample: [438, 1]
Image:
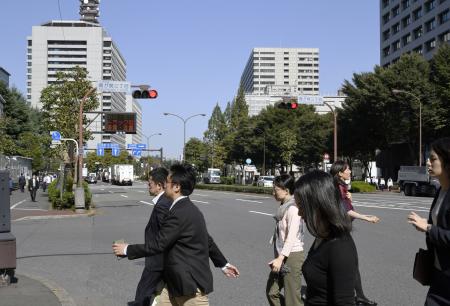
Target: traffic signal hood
[145, 94]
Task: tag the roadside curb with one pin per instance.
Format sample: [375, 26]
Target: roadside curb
[62, 295]
[51, 217]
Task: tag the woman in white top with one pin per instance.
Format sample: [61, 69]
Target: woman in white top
[437, 226]
[286, 268]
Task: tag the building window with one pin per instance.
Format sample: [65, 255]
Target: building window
[29, 77]
[418, 49]
[396, 28]
[444, 16]
[106, 44]
[430, 45]
[430, 25]
[286, 83]
[386, 51]
[386, 18]
[267, 58]
[396, 45]
[406, 21]
[255, 58]
[406, 4]
[286, 64]
[417, 32]
[286, 70]
[285, 52]
[268, 53]
[286, 58]
[417, 13]
[429, 5]
[28, 83]
[30, 43]
[385, 3]
[286, 77]
[29, 70]
[445, 37]
[29, 97]
[386, 34]
[406, 39]
[395, 11]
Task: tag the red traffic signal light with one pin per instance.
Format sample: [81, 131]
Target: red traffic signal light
[287, 105]
[145, 94]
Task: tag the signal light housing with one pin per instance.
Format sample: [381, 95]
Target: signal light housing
[286, 105]
[145, 94]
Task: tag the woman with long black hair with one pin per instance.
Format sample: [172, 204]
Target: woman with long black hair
[341, 172]
[437, 226]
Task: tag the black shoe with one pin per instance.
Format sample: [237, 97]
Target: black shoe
[364, 302]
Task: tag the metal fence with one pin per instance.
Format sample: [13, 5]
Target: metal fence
[16, 165]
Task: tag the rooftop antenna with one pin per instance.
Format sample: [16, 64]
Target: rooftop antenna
[89, 10]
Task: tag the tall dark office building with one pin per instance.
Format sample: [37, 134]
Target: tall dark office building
[412, 26]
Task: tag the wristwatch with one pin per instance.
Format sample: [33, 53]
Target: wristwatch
[429, 228]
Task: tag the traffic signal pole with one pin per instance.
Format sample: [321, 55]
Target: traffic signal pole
[334, 112]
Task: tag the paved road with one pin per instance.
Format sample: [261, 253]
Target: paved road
[76, 254]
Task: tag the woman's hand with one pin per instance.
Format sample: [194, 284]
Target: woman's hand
[372, 219]
[419, 223]
[348, 195]
[276, 263]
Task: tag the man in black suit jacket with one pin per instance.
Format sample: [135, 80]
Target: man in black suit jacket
[154, 264]
[33, 186]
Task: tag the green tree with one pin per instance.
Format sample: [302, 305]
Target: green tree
[196, 153]
[214, 136]
[35, 146]
[288, 144]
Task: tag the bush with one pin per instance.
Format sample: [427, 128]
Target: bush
[87, 196]
[360, 186]
[53, 195]
[68, 200]
[227, 180]
[235, 188]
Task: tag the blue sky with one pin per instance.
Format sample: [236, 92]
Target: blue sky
[193, 52]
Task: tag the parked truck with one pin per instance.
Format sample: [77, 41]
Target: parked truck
[122, 174]
[415, 180]
[212, 176]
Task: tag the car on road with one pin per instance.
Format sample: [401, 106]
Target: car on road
[91, 178]
[265, 181]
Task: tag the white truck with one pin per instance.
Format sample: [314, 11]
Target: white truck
[415, 180]
[212, 176]
[122, 174]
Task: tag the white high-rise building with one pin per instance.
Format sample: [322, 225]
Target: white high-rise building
[61, 45]
[271, 73]
[133, 106]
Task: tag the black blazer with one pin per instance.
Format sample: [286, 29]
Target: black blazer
[134, 251]
[30, 184]
[438, 238]
[187, 246]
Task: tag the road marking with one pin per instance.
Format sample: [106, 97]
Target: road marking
[110, 191]
[251, 201]
[255, 196]
[261, 213]
[103, 189]
[197, 201]
[30, 209]
[201, 195]
[394, 208]
[122, 195]
[141, 191]
[14, 206]
[148, 203]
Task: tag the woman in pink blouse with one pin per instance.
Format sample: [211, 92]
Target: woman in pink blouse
[286, 268]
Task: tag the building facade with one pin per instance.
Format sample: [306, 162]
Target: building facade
[134, 106]
[4, 76]
[296, 68]
[60, 46]
[412, 26]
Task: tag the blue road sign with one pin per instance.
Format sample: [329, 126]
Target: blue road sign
[141, 146]
[131, 146]
[55, 135]
[115, 151]
[136, 152]
[107, 145]
[100, 151]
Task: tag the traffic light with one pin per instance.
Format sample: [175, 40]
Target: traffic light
[286, 105]
[145, 94]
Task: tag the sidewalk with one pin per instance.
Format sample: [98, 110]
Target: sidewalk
[30, 291]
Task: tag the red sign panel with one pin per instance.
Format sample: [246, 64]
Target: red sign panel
[120, 122]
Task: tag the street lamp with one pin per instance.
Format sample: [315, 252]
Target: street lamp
[148, 137]
[261, 131]
[399, 91]
[184, 128]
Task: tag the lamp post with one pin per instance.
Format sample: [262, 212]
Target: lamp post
[399, 91]
[148, 137]
[334, 112]
[184, 128]
[261, 131]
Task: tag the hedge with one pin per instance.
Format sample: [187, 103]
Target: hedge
[360, 186]
[68, 197]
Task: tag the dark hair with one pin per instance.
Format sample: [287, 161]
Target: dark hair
[336, 167]
[183, 176]
[317, 195]
[285, 181]
[442, 149]
[159, 176]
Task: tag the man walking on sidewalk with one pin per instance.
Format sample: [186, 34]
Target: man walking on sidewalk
[33, 186]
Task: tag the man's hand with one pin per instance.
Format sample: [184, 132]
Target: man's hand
[231, 271]
[276, 264]
[419, 223]
[119, 249]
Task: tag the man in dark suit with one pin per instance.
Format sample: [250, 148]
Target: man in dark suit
[151, 277]
[33, 186]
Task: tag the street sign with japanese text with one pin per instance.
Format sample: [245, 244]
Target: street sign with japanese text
[141, 145]
[113, 86]
[131, 146]
[310, 100]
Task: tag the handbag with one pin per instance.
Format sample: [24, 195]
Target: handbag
[423, 267]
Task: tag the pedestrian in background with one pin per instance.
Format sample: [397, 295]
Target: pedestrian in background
[22, 182]
[331, 265]
[341, 172]
[286, 268]
[33, 186]
[390, 184]
[437, 227]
